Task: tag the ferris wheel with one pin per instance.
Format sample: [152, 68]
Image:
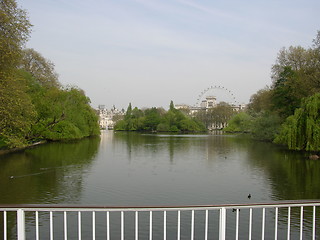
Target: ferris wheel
[221, 93]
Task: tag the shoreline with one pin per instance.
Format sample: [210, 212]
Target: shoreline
[7, 151]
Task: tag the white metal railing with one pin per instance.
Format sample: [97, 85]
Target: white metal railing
[296, 219]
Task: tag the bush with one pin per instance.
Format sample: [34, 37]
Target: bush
[163, 127]
[265, 126]
[239, 123]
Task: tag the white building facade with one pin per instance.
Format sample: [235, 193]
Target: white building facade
[106, 116]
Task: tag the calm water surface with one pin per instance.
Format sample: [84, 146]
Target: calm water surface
[157, 169]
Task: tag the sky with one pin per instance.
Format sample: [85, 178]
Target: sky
[149, 52]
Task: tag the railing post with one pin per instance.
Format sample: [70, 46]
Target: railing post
[21, 225]
[222, 224]
[4, 225]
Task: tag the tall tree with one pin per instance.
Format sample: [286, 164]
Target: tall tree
[220, 114]
[301, 131]
[16, 110]
[286, 94]
[316, 41]
[40, 68]
[260, 101]
[305, 63]
[128, 112]
[171, 106]
[15, 30]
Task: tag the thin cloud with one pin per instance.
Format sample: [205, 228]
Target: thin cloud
[212, 11]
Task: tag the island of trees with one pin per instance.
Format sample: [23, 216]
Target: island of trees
[158, 120]
[288, 111]
[33, 104]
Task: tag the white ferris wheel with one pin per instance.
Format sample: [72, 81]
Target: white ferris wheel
[220, 93]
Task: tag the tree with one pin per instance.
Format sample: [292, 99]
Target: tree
[316, 41]
[16, 110]
[265, 126]
[155, 119]
[203, 117]
[152, 119]
[128, 112]
[220, 114]
[216, 116]
[63, 114]
[305, 63]
[171, 106]
[32, 105]
[301, 131]
[260, 101]
[15, 30]
[240, 122]
[40, 68]
[136, 113]
[286, 94]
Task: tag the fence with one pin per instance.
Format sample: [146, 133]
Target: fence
[277, 220]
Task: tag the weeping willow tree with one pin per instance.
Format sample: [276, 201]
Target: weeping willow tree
[301, 131]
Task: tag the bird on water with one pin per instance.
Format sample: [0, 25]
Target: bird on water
[249, 196]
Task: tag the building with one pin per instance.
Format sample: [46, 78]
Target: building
[208, 103]
[106, 116]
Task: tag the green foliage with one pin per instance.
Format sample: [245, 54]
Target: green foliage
[296, 76]
[136, 113]
[40, 68]
[163, 127]
[63, 130]
[265, 126]
[302, 130]
[286, 94]
[240, 122]
[260, 101]
[262, 126]
[15, 109]
[15, 29]
[128, 112]
[217, 115]
[189, 125]
[121, 125]
[171, 107]
[63, 114]
[32, 105]
[154, 119]
[2, 142]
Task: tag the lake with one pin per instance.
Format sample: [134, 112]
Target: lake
[134, 169]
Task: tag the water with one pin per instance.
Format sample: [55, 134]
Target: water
[157, 169]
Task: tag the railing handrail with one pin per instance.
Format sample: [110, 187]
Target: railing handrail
[22, 209]
[75, 207]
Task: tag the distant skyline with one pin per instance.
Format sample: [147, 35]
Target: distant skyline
[149, 52]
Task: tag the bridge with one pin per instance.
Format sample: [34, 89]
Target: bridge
[276, 220]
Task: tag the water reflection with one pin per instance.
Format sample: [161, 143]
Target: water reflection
[50, 173]
[291, 174]
[160, 169]
[174, 145]
[266, 171]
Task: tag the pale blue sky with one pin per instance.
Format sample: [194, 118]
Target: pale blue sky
[149, 52]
